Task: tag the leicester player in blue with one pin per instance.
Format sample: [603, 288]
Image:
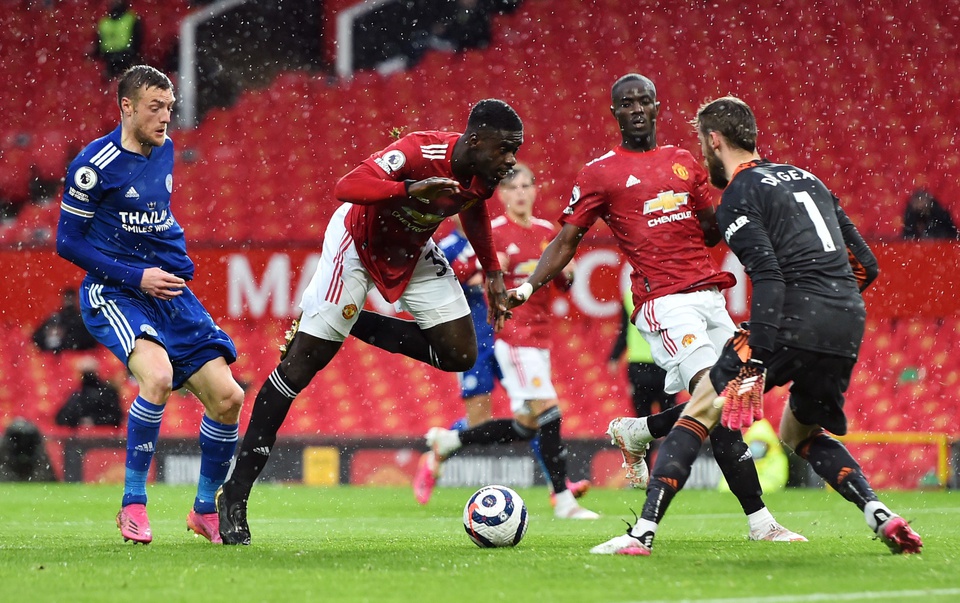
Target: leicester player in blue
[116, 223]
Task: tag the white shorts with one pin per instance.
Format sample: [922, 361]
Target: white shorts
[332, 301]
[526, 375]
[686, 332]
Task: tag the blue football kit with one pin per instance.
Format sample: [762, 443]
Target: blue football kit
[115, 222]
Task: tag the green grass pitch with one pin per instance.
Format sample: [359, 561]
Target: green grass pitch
[59, 542]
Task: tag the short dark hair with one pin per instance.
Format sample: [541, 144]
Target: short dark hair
[138, 76]
[494, 114]
[518, 169]
[644, 80]
[730, 117]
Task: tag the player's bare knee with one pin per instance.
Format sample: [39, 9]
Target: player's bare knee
[792, 432]
[229, 407]
[156, 385]
[791, 438]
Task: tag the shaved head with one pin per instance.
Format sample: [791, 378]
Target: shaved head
[635, 78]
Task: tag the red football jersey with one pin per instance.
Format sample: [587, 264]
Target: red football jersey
[649, 200]
[390, 227]
[523, 246]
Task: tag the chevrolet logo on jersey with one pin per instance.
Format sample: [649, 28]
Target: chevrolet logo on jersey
[666, 202]
[417, 221]
[526, 268]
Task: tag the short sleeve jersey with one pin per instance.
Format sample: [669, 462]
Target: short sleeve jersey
[523, 246]
[785, 225]
[390, 235]
[650, 201]
[124, 200]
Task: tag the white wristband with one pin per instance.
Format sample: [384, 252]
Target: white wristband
[524, 291]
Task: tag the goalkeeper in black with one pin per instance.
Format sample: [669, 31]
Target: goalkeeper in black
[808, 265]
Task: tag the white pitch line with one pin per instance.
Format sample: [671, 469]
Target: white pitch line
[864, 596]
[902, 511]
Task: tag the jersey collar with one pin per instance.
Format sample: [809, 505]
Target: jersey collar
[746, 165]
[622, 149]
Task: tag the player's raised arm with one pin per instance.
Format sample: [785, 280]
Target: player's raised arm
[364, 185]
[432, 188]
[555, 258]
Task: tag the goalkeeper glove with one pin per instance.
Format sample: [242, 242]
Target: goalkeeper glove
[743, 395]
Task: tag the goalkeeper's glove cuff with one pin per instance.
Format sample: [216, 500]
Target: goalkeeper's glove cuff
[759, 356]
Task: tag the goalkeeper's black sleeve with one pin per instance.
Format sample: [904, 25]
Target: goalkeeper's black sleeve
[862, 260]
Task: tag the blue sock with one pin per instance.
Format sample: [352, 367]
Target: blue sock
[535, 449]
[459, 425]
[143, 431]
[218, 442]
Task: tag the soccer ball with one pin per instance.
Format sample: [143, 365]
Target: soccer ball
[495, 516]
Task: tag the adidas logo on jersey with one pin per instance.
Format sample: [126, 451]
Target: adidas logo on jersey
[132, 193]
[632, 180]
[146, 447]
[264, 450]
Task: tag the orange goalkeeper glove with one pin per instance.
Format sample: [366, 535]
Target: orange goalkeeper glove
[743, 395]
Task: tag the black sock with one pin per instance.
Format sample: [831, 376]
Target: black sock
[496, 431]
[833, 462]
[661, 423]
[551, 448]
[269, 410]
[395, 336]
[672, 468]
[738, 467]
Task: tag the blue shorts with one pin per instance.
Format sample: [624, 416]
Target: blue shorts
[117, 316]
[485, 373]
[480, 379]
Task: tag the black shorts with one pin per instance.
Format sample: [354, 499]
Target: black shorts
[819, 381]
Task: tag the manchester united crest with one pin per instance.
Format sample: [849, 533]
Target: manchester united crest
[349, 311]
[680, 171]
[687, 340]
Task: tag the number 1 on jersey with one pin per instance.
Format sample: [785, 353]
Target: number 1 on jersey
[804, 199]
